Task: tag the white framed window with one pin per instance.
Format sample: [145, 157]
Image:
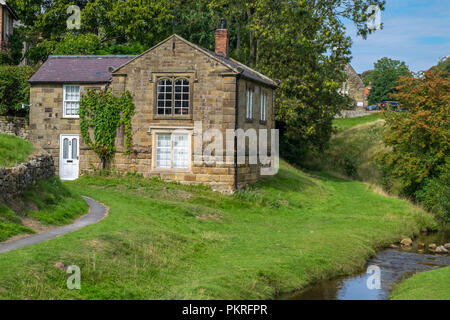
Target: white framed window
[71, 101]
[263, 101]
[173, 97]
[172, 151]
[249, 104]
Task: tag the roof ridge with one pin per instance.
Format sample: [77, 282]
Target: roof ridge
[93, 56]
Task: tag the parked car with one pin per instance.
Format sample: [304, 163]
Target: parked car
[373, 107]
[389, 105]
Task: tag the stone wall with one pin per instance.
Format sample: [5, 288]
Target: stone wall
[353, 113]
[17, 126]
[13, 181]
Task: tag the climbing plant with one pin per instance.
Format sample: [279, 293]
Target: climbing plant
[101, 113]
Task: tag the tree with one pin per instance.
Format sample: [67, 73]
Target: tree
[419, 139]
[304, 44]
[365, 77]
[384, 79]
[14, 88]
[144, 21]
[83, 44]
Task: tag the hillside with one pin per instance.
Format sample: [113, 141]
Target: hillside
[353, 148]
[13, 150]
[165, 240]
[43, 205]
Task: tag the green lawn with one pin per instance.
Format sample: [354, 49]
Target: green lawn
[345, 123]
[49, 202]
[431, 285]
[166, 240]
[13, 150]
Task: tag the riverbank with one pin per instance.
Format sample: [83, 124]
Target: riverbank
[430, 285]
[170, 241]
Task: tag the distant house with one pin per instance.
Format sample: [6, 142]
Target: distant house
[175, 85]
[7, 18]
[354, 88]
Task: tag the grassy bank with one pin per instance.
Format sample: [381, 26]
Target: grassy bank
[431, 285]
[46, 203]
[165, 240]
[13, 150]
[342, 124]
[352, 150]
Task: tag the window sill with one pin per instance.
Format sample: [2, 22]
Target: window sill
[70, 117]
[167, 170]
[249, 120]
[177, 117]
[263, 122]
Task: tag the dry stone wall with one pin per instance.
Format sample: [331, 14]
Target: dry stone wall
[17, 126]
[13, 181]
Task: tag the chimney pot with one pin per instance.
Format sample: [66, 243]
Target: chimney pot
[222, 38]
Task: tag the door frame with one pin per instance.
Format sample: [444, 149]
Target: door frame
[71, 136]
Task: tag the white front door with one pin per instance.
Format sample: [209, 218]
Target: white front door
[69, 157]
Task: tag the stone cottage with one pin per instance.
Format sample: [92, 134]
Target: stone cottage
[7, 18]
[177, 87]
[354, 87]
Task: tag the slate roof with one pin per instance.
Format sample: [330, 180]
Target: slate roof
[95, 69]
[78, 69]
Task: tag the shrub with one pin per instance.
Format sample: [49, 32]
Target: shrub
[14, 87]
[5, 58]
[419, 139]
[435, 195]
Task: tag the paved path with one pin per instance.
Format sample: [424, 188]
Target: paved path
[97, 212]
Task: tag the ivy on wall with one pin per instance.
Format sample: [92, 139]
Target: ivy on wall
[102, 113]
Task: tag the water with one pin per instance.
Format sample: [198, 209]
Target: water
[395, 265]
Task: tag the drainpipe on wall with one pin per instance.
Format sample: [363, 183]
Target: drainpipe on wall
[236, 125]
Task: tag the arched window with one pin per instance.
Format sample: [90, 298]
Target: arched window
[165, 97]
[181, 96]
[173, 96]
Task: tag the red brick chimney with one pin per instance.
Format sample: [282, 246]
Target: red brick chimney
[222, 38]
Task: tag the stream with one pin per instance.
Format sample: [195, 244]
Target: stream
[395, 265]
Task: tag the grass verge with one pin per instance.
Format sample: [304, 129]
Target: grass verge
[170, 241]
[48, 202]
[430, 285]
[13, 150]
[342, 124]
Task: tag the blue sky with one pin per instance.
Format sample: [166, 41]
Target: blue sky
[415, 31]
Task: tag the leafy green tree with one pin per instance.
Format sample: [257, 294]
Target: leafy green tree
[443, 65]
[304, 44]
[143, 21]
[14, 88]
[384, 79]
[82, 44]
